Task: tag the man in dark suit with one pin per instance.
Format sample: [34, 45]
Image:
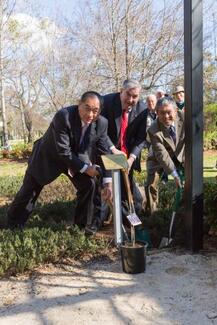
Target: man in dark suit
[75, 139]
[126, 117]
[167, 138]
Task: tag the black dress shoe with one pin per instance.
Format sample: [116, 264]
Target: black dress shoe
[79, 225]
[90, 230]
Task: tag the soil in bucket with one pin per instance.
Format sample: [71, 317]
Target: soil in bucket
[133, 257]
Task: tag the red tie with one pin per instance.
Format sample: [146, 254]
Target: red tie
[124, 124]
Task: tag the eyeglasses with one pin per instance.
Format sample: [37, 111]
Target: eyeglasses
[89, 109]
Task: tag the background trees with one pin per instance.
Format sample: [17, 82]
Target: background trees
[46, 63]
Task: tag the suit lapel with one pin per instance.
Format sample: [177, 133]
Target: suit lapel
[167, 137]
[132, 115]
[178, 125]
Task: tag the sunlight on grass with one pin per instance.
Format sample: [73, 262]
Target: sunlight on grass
[12, 168]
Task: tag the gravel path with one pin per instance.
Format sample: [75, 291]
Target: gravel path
[177, 288]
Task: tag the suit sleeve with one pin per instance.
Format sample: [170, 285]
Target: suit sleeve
[139, 140]
[103, 146]
[160, 153]
[103, 143]
[61, 135]
[105, 114]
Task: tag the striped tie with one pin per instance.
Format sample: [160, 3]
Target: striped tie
[172, 132]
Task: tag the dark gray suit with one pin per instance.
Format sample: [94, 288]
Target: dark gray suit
[135, 134]
[163, 155]
[55, 153]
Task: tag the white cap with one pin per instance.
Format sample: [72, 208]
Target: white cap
[160, 90]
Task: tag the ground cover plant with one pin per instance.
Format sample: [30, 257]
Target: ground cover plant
[49, 235]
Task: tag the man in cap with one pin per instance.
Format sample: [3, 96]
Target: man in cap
[179, 96]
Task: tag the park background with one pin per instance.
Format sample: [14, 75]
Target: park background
[50, 54]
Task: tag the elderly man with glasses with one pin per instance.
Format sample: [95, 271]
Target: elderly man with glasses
[74, 141]
[166, 153]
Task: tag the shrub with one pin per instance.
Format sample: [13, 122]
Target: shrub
[60, 189]
[9, 185]
[4, 153]
[19, 151]
[210, 140]
[210, 204]
[210, 126]
[24, 250]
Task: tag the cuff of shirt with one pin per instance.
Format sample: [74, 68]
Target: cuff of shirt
[175, 174]
[112, 147]
[133, 156]
[82, 170]
[106, 180]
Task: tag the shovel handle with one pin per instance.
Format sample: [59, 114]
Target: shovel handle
[171, 225]
[129, 193]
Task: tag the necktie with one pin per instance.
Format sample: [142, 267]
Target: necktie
[123, 131]
[172, 132]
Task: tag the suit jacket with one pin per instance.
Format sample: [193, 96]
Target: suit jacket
[136, 130]
[163, 152]
[58, 149]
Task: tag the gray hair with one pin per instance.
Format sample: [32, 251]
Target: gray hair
[151, 95]
[131, 83]
[165, 101]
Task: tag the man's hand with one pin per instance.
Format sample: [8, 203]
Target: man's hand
[178, 182]
[106, 192]
[92, 171]
[115, 151]
[130, 162]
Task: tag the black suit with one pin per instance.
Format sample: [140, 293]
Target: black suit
[135, 134]
[58, 151]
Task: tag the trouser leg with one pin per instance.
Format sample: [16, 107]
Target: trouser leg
[151, 191]
[85, 186]
[24, 202]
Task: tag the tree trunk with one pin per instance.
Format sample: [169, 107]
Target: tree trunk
[114, 49]
[2, 102]
[23, 122]
[126, 40]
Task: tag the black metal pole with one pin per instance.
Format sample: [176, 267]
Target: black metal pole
[193, 58]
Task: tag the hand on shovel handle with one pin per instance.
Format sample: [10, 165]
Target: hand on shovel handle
[128, 189]
[106, 194]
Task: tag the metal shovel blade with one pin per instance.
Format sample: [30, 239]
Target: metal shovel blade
[166, 241]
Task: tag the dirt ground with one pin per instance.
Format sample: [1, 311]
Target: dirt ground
[177, 288]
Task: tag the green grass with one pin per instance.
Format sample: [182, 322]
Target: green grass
[210, 159]
[12, 168]
[209, 170]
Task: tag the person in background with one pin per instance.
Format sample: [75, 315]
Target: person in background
[151, 101]
[74, 141]
[179, 96]
[126, 116]
[160, 93]
[167, 138]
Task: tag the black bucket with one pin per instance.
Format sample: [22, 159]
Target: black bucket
[133, 257]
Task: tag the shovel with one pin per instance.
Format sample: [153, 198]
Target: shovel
[132, 217]
[166, 241]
